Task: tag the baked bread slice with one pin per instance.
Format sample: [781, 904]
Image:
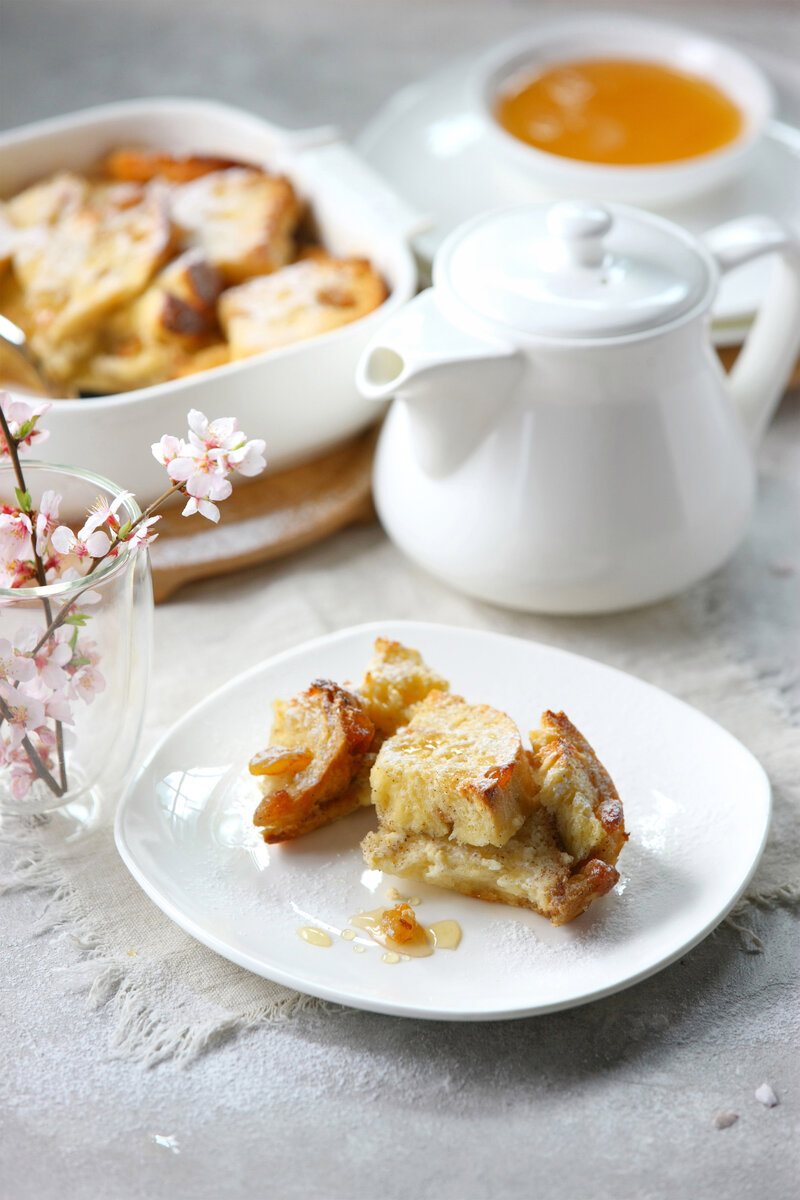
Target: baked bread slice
[242, 219]
[577, 789]
[303, 300]
[329, 725]
[92, 261]
[396, 682]
[557, 862]
[532, 870]
[44, 203]
[456, 771]
[179, 306]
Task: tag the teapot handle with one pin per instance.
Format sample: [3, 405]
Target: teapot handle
[767, 358]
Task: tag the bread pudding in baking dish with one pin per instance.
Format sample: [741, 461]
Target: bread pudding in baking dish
[461, 802]
[158, 266]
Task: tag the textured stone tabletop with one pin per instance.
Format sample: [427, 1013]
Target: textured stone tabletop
[616, 1099]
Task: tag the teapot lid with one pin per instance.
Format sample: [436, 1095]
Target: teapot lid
[574, 269]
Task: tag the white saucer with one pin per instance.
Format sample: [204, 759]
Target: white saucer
[426, 143]
[696, 806]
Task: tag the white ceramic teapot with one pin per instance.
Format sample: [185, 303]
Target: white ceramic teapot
[563, 437]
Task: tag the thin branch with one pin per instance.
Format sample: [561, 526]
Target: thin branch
[12, 445]
[33, 755]
[62, 614]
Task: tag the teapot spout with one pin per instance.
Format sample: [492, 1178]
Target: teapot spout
[454, 383]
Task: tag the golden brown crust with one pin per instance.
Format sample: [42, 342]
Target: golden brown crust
[132, 164]
[242, 219]
[578, 789]
[329, 722]
[557, 863]
[303, 300]
[591, 881]
[395, 683]
[457, 770]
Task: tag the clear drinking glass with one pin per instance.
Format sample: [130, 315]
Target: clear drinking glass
[110, 664]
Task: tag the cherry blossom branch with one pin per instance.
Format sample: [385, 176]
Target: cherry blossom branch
[12, 445]
[198, 467]
[33, 756]
[58, 620]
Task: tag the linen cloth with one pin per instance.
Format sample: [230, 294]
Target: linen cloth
[171, 996]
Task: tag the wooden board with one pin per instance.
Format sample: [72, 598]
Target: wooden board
[266, 518]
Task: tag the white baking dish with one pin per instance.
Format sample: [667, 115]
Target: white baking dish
[301, 399]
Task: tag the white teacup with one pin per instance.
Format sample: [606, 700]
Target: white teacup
[591, 35]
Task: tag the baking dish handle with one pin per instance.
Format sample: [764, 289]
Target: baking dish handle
[339, 161]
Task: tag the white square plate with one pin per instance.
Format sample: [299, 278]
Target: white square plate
[696, 805]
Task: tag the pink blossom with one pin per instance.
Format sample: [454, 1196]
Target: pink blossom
[203, 462]
[143, 535]
[46, 519]
[94, 545]
[14, 665]
[249, 459]
[166, 450]
[87, 683]
[15, 540]
[103, 513]
[22, 419]
[21, 771]
[58, 708]
[51, 661]
[204, 507]
[25, 712]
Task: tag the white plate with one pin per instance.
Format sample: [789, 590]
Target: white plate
[696, 805]
[427, 145]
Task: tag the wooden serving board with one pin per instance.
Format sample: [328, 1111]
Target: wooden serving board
[266, 518]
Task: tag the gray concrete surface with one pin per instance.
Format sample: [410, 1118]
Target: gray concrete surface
[612, 1100]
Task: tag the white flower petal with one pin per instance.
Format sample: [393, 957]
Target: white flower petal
[63, 540]
[98, 544]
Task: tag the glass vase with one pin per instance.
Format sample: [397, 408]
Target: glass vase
[58, 777]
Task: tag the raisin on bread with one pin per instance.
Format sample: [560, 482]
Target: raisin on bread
[329, 725]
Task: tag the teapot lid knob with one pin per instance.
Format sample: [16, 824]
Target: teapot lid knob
[580, 227]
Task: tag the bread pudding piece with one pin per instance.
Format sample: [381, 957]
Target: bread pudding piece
[300, 301]
[532, 870]
[557, 862]
[44, 203]
[396, 682]
[159, 335]
[95, 259]
[242, 219]
[180, 304]
[328, 725]
[456, 771]
[325, 741]
[577, 790]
